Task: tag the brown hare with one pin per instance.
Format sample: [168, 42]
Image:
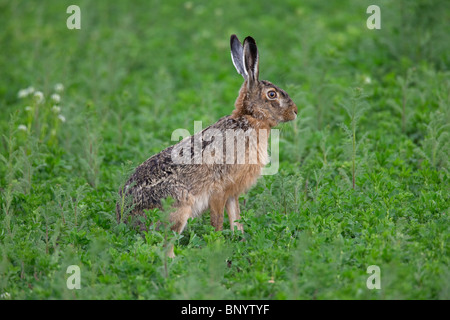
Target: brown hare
[199, 177]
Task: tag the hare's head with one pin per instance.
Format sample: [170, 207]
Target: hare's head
[260, 99]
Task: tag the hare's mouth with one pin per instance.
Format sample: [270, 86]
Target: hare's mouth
[291, 116]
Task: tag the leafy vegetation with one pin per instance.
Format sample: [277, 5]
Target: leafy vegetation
[364, 170]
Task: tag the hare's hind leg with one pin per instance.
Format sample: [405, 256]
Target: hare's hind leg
[179, 218]
[234, 213]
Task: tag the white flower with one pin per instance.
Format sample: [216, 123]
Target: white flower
[56, 97]
[25, 92]
[5, 295]
[367, 80]
[22, 93]
[28, 108]
[22, 127]
[62, 118]
[39, 96]
[56, 109]
[59, 87]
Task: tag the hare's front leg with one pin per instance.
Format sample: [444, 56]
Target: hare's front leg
[216, 207]
[234, 213]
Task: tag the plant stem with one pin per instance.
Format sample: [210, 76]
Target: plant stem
[404, 105]
[353, 152]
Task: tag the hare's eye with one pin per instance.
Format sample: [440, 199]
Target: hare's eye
[271, 94]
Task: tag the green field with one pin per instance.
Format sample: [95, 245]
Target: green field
[364, 170]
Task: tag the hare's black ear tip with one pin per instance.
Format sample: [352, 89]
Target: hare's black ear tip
[233, 39]
[250, 40]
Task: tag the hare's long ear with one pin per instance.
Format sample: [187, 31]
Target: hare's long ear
[237, 55]
[251, 61]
